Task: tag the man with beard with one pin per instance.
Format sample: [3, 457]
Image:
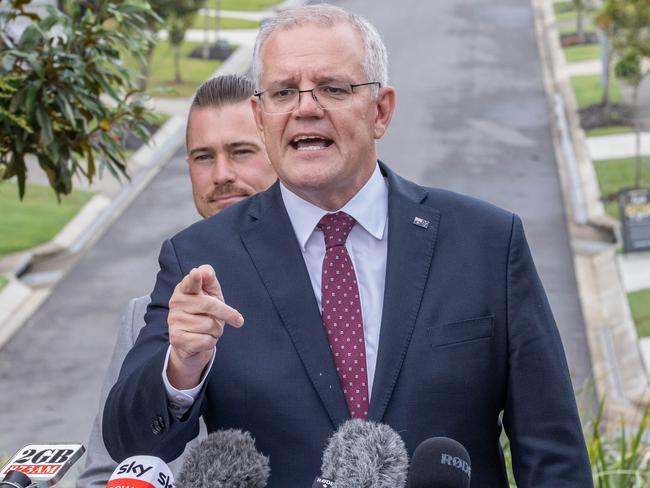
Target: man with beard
[227, 163]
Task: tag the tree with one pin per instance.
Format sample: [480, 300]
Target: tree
[177, 25]
[582, 7]
[629, 68]
[65, 96]
[627, 24]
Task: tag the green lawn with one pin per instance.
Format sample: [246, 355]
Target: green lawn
[224, 23]
[614, 174]
[582, 52]
[610, 130]
[3, 281]
[563, 7]
[35, 220]
[589, 91]
[571, 28]
[640, 306]
[245, 5]
[161, 78]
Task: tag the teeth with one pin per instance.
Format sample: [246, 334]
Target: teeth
[302, 138]
[310, 148]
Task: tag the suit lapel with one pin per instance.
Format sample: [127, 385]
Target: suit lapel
[410, 250]
[271, 244]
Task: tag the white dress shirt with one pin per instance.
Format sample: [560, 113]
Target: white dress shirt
[367, 245]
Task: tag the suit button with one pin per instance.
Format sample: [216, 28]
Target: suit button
[157, 425]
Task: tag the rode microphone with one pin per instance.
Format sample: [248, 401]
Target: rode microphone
[141, 472]
[440, 462]
[225, 459]
[39, 464]
[364, 454]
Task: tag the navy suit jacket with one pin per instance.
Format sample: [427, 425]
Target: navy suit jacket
[466, 334]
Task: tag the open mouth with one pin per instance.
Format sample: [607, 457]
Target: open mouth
[310, 143]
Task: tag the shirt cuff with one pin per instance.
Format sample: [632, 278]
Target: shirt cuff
[180, 401]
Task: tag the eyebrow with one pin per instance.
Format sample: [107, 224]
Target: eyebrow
[229, 146]
[199, 149]
[319, 80]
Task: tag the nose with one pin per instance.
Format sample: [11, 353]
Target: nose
[307, 105]
[223, 170]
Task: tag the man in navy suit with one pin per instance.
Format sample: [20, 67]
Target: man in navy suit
[349, 292]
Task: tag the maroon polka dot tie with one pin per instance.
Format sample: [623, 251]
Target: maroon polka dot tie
[342, 313]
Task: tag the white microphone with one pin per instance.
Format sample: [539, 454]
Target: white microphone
[39, 464]
[141, 472]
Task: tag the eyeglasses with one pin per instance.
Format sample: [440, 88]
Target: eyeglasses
[328, 97]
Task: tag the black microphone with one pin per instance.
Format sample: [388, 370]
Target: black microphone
[440, 462]
[225, 459]
[363, 454]
[15, 479]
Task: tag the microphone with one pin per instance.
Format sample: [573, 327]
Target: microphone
[39, 464]
[440, 462]
[225, 459]
[364, 454]
[141, 472]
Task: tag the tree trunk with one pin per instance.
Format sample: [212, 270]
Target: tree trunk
[144, 69]
[579, 25]
[205, 53]
[605, 59]
[637, 131]
[177, 63]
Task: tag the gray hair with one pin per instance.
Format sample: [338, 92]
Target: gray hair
[375, 61]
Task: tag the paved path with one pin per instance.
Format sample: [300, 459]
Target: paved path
[617, 146]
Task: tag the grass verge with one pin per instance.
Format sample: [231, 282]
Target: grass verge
[37, 219]
[640, 307]
[571, 28]
[247, 5]
[161, 76]
[225, 23]
[582, 52]
[589, 91]
[610, 130]
[614, 174]
[3, 281]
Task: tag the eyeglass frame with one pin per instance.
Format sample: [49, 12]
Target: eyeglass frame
[313, 96]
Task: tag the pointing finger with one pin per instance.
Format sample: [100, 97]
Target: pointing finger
[210, 282]
[192, 283]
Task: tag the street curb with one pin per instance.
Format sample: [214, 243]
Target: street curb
[17, 301]
[617, 364]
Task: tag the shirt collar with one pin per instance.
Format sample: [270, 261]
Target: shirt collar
[369, 207]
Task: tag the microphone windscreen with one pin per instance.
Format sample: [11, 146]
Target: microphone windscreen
[225, 459]
[440, 462]
[364, 454]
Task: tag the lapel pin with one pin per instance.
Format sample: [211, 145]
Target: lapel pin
[421, 222]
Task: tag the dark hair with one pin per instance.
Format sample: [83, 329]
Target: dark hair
[218, 92]
[222, 90]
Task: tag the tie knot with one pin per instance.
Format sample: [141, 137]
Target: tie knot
[336, 228]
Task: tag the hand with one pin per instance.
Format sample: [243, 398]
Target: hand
[197, 316]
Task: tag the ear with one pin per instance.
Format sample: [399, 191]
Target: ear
[385, 108]
[256, 106]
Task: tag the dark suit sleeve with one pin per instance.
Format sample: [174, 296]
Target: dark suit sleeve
[540, 417]
[137, 419]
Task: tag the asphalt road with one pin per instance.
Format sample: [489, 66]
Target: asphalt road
[471, 117]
